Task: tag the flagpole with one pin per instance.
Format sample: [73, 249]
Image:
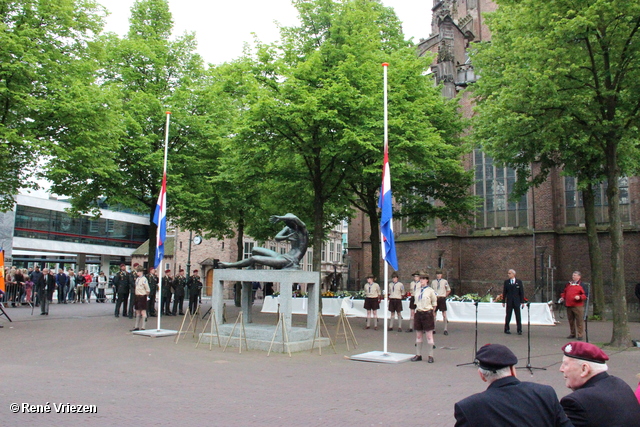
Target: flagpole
[386, 265]
[164, 177]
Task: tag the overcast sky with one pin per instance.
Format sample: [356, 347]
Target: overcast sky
[222, 27]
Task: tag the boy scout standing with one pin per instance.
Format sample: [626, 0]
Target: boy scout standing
[442, 289]
[371, 302]
[396, 291]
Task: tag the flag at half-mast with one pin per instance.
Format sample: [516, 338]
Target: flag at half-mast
[160, 219]
[386, 220]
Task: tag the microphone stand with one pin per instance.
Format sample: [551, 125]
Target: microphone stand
[475, 346]
[529, 367]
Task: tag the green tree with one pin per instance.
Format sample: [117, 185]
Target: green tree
[44, 58]
[148, 74]
[560, 84]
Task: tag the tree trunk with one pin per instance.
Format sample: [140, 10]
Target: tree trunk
[318, 234]
[376, 250]
[620, 336]
[240, 244]
[595, 254]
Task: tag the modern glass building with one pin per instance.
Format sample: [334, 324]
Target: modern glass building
[41, 231]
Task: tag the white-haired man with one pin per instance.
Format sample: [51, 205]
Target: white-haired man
[508, 401]
[598, 399]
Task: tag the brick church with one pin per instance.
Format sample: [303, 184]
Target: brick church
[541, 236]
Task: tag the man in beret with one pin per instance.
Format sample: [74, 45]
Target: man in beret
[165, 298]
[508, 401]
[122, 284]
[598, 399]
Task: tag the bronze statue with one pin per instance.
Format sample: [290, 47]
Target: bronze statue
[295, 231]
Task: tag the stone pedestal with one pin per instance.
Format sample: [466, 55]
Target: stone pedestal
[259, 334]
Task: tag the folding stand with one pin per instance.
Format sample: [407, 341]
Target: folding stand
[285, 336]
[318, 334]
[346, 328]
[214, 323]
[242, 337]
[529, 367]
[192, 317]
[4, 313]
[475, 345]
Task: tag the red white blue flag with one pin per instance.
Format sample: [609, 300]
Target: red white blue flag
[386, 220]
[160, 219]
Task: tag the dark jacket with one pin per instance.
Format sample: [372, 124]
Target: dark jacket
[123, 282]
[46, 283]
[604, 400]
[178, 286]
[513, 294]
[194, 284]
[153, 283]
[62, 279]
[510, 402]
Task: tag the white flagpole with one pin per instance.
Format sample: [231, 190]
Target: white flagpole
[386, 265]
[164, 173]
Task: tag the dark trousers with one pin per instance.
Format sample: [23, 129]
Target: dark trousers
[62, 293]
[101, 297]
[165, 307]
[178, 301]
[122, 300]
[151, 304]
[507, 320]
[193, 303]
[44, 304]
[132, 299]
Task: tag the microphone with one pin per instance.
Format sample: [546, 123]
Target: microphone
[490, 289]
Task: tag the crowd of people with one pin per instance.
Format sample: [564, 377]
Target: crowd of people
[139, 293]
[30, 286]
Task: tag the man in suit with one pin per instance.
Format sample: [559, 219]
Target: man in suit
[45, 286]
[598, 399]
[508, 401]
[62, 280]
[513, 297]
[179, 282]
[195, 286]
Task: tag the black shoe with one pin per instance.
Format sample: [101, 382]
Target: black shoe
[117, 315]
[391, 329]
[134, 329]
[181, 314]
[570, 337]
[519, 332]
[434, 332]
[41, 314]
[430, 359]
[416, 358]
[131, 317]
[434, 346]
[507, 332]
[410, 330]
[445, 332]
[579, 338]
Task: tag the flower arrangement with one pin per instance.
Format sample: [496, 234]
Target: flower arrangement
[499, 298]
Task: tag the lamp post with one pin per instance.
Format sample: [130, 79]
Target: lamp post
[189, 254]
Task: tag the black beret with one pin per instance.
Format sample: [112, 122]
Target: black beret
[495, 356]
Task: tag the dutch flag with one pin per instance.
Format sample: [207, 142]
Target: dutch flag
[160, 219]
[386, 220]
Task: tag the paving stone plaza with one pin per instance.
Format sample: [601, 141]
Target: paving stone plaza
[82, 355]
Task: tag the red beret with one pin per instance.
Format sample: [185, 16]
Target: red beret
[195, 271]
[182, 269]
[135, 265]
[167, 271]
[123, 265]
[585, 351]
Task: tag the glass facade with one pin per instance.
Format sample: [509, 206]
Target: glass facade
[494, 185]
[46, 224]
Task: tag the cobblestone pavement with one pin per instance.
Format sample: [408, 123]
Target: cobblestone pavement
[81, 354]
